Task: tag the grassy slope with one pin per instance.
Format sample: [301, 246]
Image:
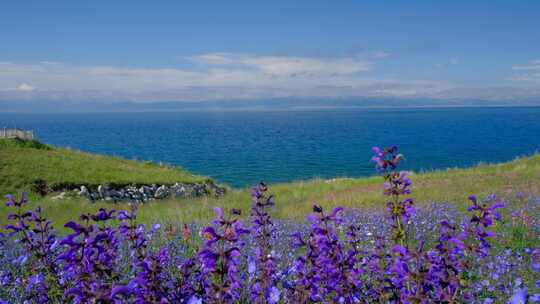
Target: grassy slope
[22, 162]
[294, 199]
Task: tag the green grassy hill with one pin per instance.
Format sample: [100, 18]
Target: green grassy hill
[22, 163]
[294, 200]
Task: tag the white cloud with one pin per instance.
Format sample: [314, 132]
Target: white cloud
[24, 87]
[527, 73]
[215, 76]
[287, 66]
[526, 78]
[532, 65]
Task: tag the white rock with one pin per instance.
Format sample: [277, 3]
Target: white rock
[60, 196]
[101, 191]
[161, 192]
[84, 191]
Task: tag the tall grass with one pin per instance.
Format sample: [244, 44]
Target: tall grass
[452, 185]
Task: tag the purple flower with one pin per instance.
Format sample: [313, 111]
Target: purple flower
[519, 296]
[90, 257]
[34, 232]
[386, 159]
[220, 256]
[263, 287]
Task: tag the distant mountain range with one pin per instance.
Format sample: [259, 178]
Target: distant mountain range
[238, 105]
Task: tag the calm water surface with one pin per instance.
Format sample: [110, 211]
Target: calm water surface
[242, 148]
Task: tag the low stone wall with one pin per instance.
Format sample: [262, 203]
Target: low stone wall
[147, 193]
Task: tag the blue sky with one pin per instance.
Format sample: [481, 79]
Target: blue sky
[205, 50]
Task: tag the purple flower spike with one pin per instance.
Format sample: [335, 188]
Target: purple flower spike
[264, 283]
[34, 232]
[220, 257]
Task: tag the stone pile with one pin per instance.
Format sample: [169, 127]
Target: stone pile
[146, 193]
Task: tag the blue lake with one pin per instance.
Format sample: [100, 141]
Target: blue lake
[242, 148]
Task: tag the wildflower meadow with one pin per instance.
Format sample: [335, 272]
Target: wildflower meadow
[400, 252]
